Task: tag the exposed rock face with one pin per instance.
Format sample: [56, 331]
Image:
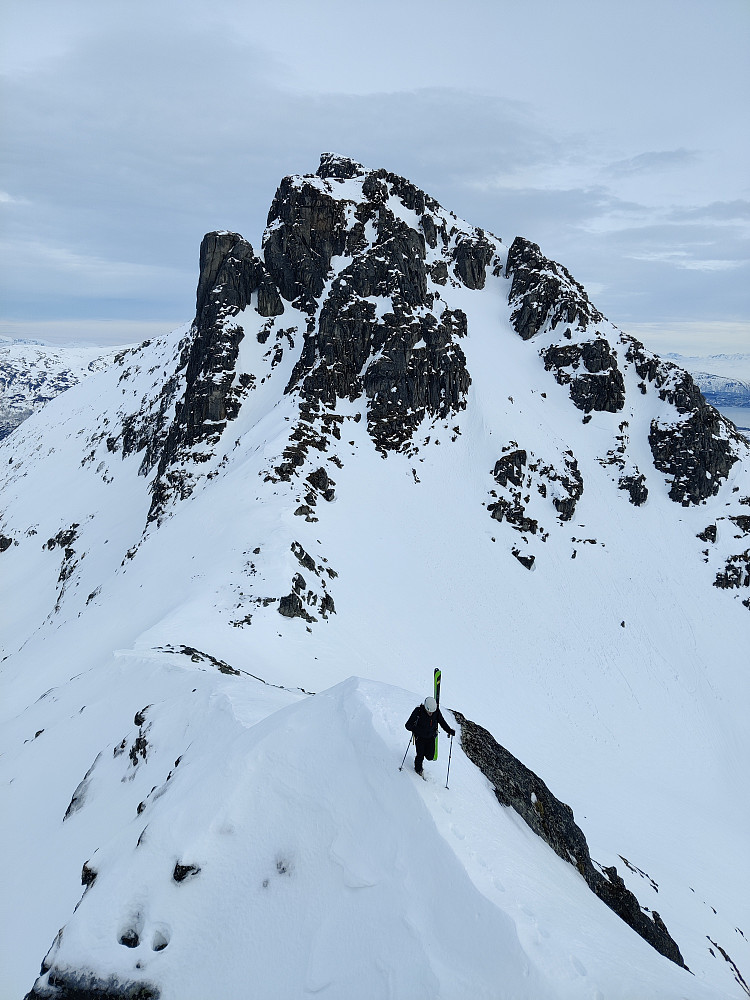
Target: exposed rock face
[231, 279]
[306, 227]
[544, 293]
[363, 263]
[230, 274]
[333, 165]
[736, 573]
[600, 386]
[472, 256]
[698, 449]
[518, 787]
[403, 355]
[694, 453]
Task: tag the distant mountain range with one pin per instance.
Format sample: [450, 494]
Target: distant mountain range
[32, 373]
[724, 379]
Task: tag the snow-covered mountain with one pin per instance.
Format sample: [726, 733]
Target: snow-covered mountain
[231, 561]
[724, 379]
[32, 373]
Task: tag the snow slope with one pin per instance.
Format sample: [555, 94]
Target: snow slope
[613, 668]
[32, 373]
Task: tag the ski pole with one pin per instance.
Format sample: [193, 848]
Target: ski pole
[450, 754]
[406, 751]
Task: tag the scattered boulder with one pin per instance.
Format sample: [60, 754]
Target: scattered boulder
[636, 488]
[291, 606]
[182, 872]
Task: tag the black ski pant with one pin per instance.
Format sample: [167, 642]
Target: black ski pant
[425, 748]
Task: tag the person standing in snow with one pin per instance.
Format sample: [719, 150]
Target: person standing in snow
[423, 725]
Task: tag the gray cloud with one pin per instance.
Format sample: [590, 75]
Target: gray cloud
[649, 162]
[128, 159]
[737, 211]
[124, 146]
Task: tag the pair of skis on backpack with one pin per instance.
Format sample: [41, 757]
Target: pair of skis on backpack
[437, 677]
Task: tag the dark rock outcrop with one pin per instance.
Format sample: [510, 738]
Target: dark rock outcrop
[75, 984]
[521, 474]
[543, 292]
[636, 488]
[231, 276]
[518, 787]
[696, 453]
[600, 386]
[698, 448]
[341, 167]
[182, 872]
[404, 358]
[509, 468]
[291, 606]
[306, 228]
[736, 572]
[472, 255]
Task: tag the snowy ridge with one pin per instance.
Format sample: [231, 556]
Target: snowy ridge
[32, 373]
[374, 451]
[724, 379]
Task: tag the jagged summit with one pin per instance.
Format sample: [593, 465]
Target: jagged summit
[387, 441]
[361, 281]
[342, 167]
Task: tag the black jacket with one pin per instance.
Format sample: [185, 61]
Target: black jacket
[425, 726]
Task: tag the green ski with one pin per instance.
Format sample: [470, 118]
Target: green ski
[437, 677]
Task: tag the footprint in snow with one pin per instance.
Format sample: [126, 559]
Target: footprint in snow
[578, 966]
[160, 938]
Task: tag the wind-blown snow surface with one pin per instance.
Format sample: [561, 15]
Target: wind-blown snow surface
[155, 698]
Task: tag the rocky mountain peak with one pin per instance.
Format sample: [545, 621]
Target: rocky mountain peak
[342, 167]
[363, 296]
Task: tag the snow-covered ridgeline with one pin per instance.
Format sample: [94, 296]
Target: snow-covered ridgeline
[32, 373]
[724, 379]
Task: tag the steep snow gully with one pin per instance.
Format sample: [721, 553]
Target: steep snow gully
[387, 442]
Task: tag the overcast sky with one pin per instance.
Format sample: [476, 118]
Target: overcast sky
[614, 134]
